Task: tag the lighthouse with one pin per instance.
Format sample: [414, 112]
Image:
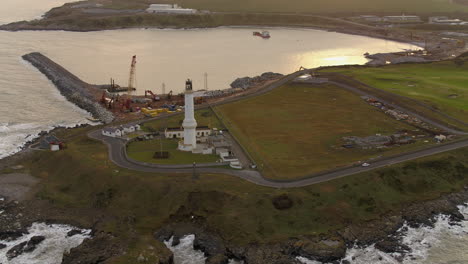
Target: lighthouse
[189, 124]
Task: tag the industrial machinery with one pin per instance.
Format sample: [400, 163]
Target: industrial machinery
[103, 97]
[169, 95]
[153, 96]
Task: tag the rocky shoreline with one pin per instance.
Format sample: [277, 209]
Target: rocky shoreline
[70, 86]
[385, 233]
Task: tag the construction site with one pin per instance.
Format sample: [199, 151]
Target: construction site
[125, 104]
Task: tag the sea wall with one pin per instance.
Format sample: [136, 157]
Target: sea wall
[70, 86]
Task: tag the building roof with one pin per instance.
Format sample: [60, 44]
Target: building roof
[129, 125]
[47, 140]
[110, 129]
[175, 129]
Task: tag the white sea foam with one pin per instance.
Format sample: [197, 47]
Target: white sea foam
[443, 243]
[50, 250]
[13, 136]
[184, 252]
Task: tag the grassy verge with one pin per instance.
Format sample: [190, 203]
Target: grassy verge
[297, 129]
[73, 20]
[441, 85]
[132, 205]
[144, 151]
[204, 117]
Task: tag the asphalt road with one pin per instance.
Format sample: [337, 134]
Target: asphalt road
[116, 149]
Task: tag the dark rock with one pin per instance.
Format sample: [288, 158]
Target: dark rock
[217, 259]
[164, 234]
[2, 246]
[321, 249]
[175, 241]
[370, 232]
[246, 82]
[11, 235]
[27, 246]
[73, 232]
[94, 250]
[260, 254]
[210, 244]
[282, 202]
[391, 246]
[16, 250]
[424, 213]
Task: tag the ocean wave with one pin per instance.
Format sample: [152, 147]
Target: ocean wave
[50, 250]
[14, 136]
[184, 252]
[445, 242]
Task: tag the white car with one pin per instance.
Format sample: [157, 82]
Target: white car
[365, 164]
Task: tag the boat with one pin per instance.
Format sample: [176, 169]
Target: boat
[94, 120]
[263, 34]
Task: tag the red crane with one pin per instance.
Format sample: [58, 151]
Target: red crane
[153, 96]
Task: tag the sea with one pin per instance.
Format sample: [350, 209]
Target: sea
[29, 102]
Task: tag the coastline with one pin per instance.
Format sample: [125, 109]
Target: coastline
[385, 234]
[384, 231]
[15, 28]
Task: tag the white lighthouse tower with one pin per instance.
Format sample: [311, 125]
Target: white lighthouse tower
[189, 124]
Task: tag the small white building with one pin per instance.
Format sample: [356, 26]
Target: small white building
[54, 147]
[445, 20]
[402, 19]
[169, 9]
[130, 128]
[112, 132]
[440, 138]
[176, 132]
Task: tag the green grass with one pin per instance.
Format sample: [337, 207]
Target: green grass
[297, 129]
[144, 151]
[80, 181]
[432, 83]
[204, 117]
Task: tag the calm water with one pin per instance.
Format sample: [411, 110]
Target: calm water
[29, 103]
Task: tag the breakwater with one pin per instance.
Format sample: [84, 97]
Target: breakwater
[70, 86]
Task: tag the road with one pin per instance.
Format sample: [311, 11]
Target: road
[116, 148]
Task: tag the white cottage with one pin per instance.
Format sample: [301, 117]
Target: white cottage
[176, 132]
[112, 132]
[130, 128]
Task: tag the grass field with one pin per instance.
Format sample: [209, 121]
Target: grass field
[443, 85]
[144, 151]
[297, 129]
[204, 117]
[132, 205]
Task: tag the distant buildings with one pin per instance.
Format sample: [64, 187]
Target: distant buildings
[169, 9]
[388, 19]
[402, 19]
[443, 20]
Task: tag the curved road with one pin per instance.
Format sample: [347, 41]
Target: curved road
[116, 148]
